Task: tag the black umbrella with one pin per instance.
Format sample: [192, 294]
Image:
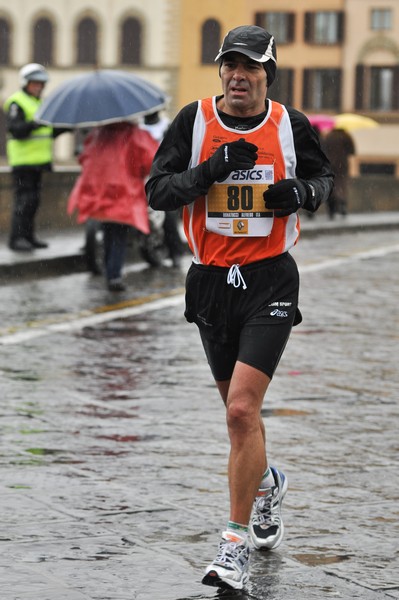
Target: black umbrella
[98, 98]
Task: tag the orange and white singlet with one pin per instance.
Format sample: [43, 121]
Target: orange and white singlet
[230, 225]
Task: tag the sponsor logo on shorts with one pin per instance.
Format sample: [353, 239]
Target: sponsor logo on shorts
[281, 304]
[279, 313]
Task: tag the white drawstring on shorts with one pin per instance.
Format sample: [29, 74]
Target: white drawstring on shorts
[235, 278]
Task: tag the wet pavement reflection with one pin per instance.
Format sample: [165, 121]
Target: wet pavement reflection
[114, 453]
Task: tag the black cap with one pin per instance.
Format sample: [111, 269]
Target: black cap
[256, 43]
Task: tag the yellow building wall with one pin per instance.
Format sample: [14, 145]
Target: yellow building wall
[198, 81]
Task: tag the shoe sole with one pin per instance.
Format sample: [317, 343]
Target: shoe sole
[278, 541]
[213, 579]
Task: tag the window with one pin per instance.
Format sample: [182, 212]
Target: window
[324, 28]
[381, 19]
[5, 39]
[87, 42]
[382, 168]
[131, 42]
[280, 24]
[43, 42]
[210, 41]
[283, 87]
[377, 88]
[322, 89]
[381, 88]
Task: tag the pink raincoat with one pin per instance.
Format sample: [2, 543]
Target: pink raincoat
[115, 161]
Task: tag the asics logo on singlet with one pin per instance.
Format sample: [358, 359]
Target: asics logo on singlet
[279, 313]
[261, 174]
[226, 154]
[253, 175]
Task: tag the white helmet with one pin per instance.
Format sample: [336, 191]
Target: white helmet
[32, 72]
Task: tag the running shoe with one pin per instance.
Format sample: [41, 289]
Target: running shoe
[230, 568]
[266, 528]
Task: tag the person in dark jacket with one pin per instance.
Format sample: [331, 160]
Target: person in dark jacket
[339, 146]
[157, 126]
[242, 166]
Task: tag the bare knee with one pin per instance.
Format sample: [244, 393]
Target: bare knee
[242, 414]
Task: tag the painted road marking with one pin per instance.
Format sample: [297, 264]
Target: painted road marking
[100, 315]
[336, 262]
[147, 304]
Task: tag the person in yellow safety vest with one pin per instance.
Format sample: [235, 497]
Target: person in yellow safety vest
[29, 153]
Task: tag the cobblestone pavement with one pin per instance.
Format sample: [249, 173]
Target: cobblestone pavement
[113, 449]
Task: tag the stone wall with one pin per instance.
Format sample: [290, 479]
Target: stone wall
[366, 194]
[53, 210]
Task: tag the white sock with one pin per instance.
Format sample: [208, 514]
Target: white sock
[235, 530]
[267, 479]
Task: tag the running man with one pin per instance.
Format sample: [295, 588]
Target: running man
[242, 166]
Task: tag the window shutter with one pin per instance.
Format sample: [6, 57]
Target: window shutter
[306, 96]
[308, 33]
[43, 42]
[341, 27]
[395, 99]
[338, 88]
[87, 34]
[131, 42]
[291, 27]
[210, 42]
[259, 19]
[359, 87]
[290, 87]
[5, 42]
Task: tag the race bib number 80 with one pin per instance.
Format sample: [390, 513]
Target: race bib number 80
[235, 206]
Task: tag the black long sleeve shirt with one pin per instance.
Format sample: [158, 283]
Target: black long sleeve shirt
[172, 183]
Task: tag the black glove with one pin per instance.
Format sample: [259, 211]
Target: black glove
[231, 157]
[285, 197]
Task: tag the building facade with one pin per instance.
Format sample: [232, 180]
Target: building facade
[371, 58]
[333, 55]
[71, 37]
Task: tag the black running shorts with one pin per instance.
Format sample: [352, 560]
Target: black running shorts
[251, 325]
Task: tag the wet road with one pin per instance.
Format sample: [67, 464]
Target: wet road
[113, 446]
